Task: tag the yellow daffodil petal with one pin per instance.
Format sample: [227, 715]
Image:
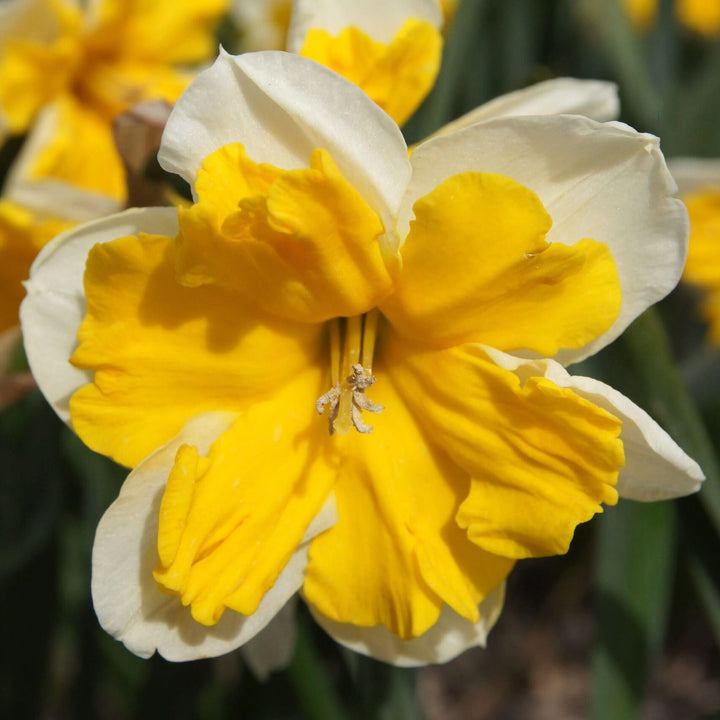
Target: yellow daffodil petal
[397, 75]
[578, 168]
[702, 268]
[130, 604]
[34, 71]
[702, 16]
[656, 468]
[542, 458]
[163, 353]
[303, 244]
[229, 522]
[22, 235]
[261, 100]
[477, 267]
[396, 554]
[93, 164]
[160, 31]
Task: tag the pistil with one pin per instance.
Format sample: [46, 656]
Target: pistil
[351, 374]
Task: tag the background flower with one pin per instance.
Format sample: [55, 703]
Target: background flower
[67, 71]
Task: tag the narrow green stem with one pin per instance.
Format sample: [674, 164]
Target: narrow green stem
[626, 53]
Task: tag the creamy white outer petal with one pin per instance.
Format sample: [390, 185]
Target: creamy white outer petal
[127, 600]
[603, 181]
[693, 174]
[595, 99]
[50, 196]
[445, 640]
[656, 468]
[281, 107]
[54, 306]
[379, 19]
[273, 647]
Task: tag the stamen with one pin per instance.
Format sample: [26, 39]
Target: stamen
[346, 399]
[335, 351]
[351, 356]
[369, 335]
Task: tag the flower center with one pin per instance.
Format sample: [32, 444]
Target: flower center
[352, 343]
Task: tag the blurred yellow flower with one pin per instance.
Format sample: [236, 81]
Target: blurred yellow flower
[699, 183]
[22, 235]
[68, 69]
[701, 16]
[425, 305]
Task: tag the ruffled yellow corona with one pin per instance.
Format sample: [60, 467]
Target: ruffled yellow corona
[320, 326]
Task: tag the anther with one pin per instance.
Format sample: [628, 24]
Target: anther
[356, 384]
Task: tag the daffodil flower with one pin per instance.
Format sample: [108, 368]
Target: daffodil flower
[341, 371]
[67, 69]
[699, 184]
[392, 50]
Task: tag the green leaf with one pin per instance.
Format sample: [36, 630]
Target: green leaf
[309, 678]
[699, 543]
[635, 567]
[626, 54]
[670, 403]
[439, 108]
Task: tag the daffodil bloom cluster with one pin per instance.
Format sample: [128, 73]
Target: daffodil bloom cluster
[68, 68]
[340, 372]
[699, 184]
[701, 16]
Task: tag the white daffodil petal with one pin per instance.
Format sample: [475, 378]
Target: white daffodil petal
[55, 303]
[656, 468]
[377, 18]
[693, 174]
[446, 639]
[128, 602]
[603, 181]
[262, 100]
[595, 99]
[273, 647]
[47, 195]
